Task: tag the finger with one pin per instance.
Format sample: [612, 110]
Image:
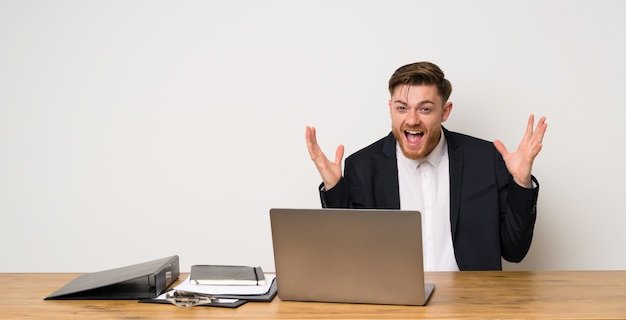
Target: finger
[339, 154]
[500, 147]
[311, 142]
[537, 150]
[310, 135]
[540, 131]
[538, 135]
[542, 126]
[529, 127]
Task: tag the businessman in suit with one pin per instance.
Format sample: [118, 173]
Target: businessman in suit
[478, 200]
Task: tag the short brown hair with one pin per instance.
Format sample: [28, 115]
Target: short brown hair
[421, 73]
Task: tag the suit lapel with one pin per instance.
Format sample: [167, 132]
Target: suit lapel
[391, 190]
[455, 156]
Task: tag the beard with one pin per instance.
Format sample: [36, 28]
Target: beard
[429, 141]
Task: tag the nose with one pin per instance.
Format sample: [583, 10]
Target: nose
[413, 118]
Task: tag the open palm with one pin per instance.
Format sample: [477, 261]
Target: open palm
[520, 162]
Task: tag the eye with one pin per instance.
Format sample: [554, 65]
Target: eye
[425, 109]
[401, 108]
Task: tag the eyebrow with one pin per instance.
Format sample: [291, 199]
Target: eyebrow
[421, 103]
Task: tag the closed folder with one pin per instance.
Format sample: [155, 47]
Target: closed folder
[138, 281]
[227, 275]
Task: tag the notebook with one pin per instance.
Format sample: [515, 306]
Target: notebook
[228, 275]
[348, 255]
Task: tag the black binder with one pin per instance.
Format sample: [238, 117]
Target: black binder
[139, 281]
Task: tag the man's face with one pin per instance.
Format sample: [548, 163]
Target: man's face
[416, 116]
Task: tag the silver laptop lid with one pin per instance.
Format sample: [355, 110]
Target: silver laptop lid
[348, 255]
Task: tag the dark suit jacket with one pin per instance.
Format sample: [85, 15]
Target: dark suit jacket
[491, 216]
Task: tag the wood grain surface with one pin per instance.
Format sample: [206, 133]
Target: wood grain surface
[479, 295]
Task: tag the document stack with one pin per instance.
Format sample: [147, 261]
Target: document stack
[220, 286]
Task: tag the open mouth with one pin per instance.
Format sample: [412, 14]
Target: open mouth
[413, 136]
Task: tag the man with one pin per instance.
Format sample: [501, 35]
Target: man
[478, 200]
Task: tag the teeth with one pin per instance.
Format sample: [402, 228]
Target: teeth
[414, 132]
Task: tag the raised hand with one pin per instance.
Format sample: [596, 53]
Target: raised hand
[330, 171]
[520, 162]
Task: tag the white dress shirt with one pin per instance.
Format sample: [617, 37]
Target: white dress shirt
[425, 186]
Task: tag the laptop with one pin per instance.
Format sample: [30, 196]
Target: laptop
[349, 255]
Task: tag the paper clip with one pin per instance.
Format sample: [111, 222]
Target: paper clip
[188, 299]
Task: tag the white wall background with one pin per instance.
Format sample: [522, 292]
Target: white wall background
[134, 130]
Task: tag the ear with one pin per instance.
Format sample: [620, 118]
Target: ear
[447, 108]
[390, 113]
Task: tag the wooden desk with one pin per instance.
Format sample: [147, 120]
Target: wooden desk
[507, 294]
